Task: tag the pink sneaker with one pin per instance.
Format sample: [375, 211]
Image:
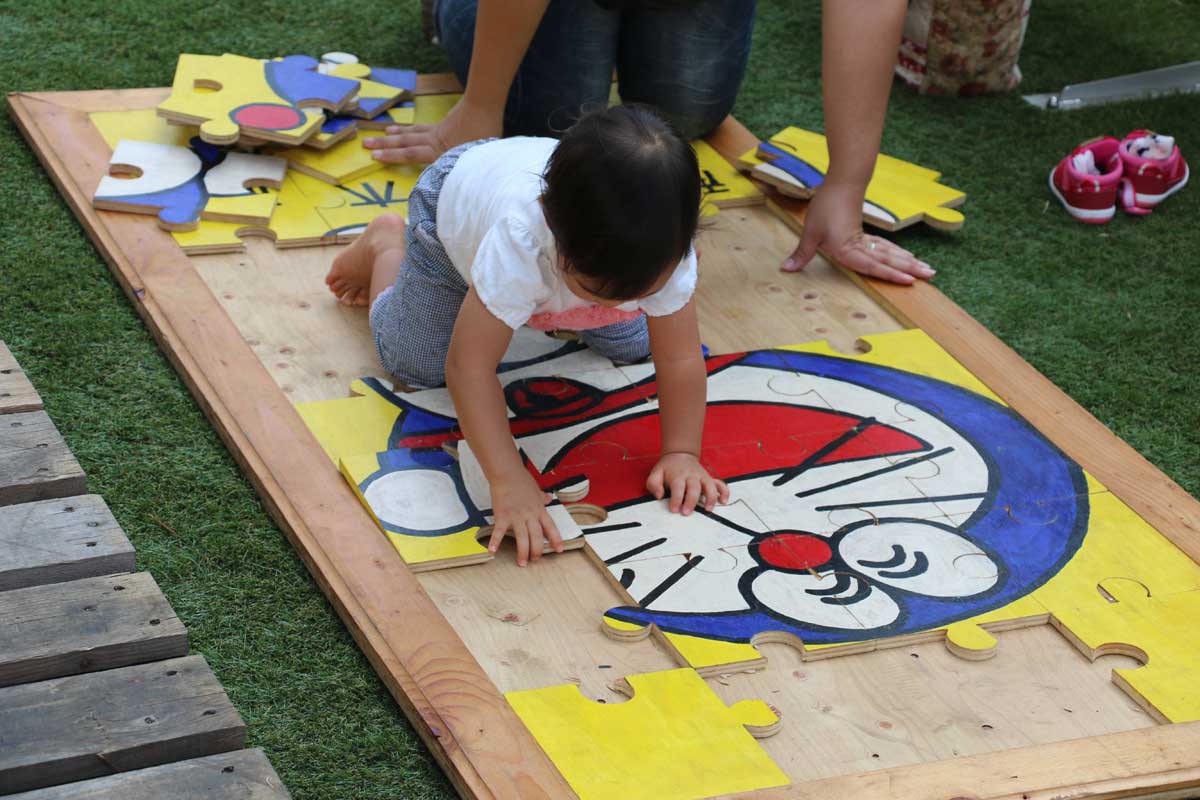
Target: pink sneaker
[1086, 181]
[1154, 170]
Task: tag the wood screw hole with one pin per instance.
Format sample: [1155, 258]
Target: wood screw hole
[171, 673]
[986, 727]
[149, 720]
[93, 524]
[118, 588]
[6, 394]
[89, 608]
[227, 769]
[69, 509]
[209, 712]
[6, 372]
[43, 469]
[155, 621]
[90, 544]
[15, 424]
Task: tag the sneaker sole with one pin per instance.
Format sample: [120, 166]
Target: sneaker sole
[1092, 216]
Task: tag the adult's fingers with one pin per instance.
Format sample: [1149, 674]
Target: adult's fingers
[805, 251]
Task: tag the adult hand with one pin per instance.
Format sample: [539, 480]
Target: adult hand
[833, 227]
[422, 144]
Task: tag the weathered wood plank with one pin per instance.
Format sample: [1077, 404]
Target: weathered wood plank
[35, 463]
[86, 626]
[88, 726]
[51, 541]
[242, 774]
[16, 392]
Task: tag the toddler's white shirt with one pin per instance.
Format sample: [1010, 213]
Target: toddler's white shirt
[490, 222]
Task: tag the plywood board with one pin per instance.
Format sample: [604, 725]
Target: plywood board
[60, 540]
[376, 595]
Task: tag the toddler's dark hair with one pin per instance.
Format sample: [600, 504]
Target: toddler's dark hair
[622, 199]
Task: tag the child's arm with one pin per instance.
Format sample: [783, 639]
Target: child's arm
[518, 503]
[682, 384]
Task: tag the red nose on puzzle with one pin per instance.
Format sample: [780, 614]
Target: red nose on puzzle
[269, 116]
[794, 551]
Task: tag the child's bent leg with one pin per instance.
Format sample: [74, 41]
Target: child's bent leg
[370, 264]
[412, 320]
[622, 342]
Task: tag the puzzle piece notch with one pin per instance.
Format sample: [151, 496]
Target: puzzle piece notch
[674, 739]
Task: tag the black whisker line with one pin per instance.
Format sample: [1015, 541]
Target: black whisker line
[903, 501]
[670, 581]
[623, 526]
[633, 551]
[919, 567]
[896, 559]
[868, 475]
[824, 451]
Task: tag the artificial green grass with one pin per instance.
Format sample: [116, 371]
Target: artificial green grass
[1107, 313]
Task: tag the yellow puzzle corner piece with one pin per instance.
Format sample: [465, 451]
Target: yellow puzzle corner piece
[673, 740]
[348, 426]
[1161, 631]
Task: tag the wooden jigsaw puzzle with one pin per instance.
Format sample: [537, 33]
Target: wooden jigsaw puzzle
[899, 194]
[878, 500]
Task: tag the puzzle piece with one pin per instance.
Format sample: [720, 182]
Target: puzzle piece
[229, 96]
[673, 740]
[721, 185]
[899, 194]
[140, 125]
[1157, 629]
[340, 164]
[181, 185]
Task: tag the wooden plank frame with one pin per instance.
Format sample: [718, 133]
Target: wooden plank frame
[458, 712]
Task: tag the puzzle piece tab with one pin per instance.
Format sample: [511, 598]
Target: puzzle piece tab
[673, 740]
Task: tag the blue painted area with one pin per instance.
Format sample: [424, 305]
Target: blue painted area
[399, 78]
[182, 204]
[798, 168]
[337, 123]
[1023, 467]
[296, 80]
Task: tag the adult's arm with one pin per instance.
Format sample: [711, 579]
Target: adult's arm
[859, 40]
[503, 31]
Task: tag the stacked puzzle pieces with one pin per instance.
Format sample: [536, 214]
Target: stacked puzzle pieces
[306, 180]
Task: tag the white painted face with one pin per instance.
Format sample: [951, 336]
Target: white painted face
[857, 531]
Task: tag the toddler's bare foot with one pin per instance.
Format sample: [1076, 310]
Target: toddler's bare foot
[350, 276]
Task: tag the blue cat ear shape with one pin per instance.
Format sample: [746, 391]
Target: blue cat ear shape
[210, 154]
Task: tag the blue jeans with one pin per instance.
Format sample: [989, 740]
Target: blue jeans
[688, 63]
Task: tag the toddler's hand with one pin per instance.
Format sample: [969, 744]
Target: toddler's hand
[687, 481]
[519, 505]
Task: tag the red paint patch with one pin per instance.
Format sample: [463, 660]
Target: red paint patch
[268, 116]
[794, 551]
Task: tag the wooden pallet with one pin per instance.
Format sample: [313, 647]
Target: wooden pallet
[247, 355]
[100, 697]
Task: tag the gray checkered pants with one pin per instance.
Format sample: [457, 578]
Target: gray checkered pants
[412, 320]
